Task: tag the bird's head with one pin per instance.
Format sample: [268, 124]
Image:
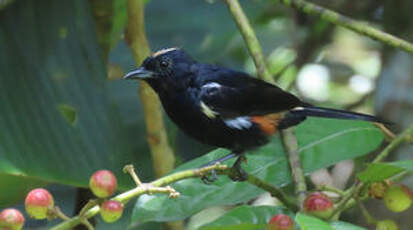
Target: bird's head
[166, 68]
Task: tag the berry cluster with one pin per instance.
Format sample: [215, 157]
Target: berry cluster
[39, 203]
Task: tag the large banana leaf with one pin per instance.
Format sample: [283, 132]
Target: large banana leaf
[322, 143]
[58, 119]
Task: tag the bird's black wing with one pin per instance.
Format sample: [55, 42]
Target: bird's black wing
[231, 94]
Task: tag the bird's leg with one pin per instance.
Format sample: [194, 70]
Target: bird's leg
[208, 180]
[237, 172]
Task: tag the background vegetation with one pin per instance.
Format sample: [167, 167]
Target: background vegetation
[64, 112]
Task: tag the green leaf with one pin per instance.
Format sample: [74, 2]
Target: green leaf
[322, 142]
[380, 171]
[59, 121]
[246, 218]
[406, 165]
[15, 188]
[339, 225]
[311, 223]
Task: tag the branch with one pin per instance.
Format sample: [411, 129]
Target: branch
[153, 187]
[355, 190]
[162, 154]
[396, 142]
[157, 186]
[356, 26]
[254, 47]
[289, 139]
[291, 147]
[274, 191]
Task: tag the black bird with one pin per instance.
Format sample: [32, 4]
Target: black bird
[224, 107]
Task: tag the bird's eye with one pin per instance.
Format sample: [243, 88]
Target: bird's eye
[164, 64]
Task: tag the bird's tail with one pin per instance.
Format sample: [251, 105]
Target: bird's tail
[313, 111]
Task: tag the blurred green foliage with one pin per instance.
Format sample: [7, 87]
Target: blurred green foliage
[64, 114]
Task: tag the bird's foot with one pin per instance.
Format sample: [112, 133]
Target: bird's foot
[212, 175]
[237, 172]
[209, 179]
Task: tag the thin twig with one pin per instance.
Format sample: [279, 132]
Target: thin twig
[88, 225]
[351, 192]
[387, 132]
[354, 190]
[131, 170]
[274, 191]
[332, 189]
[369, 218]
[250, 39]
[162, 155]
[396, 142]
[356, 26]
[255, 50]
[57, 212]
[291, 147]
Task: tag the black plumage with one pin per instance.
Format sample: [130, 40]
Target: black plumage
[223, 107]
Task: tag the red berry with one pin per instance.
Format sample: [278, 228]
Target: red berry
[111, 210]
[397, 198]
[38, 202]
[319, 205]
[280, 222]
[386, 225]
[103, 183]
[11, 219]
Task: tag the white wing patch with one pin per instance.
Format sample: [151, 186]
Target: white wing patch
[239, 122]
[211, 85]
[208, 111]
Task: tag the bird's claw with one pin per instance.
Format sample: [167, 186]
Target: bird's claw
[209, 179]
[237, 172]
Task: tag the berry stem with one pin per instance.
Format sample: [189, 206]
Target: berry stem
[86, 222]
[369, 218]
[131, 170]
[59, 214]
[89, 205]
[332, 189]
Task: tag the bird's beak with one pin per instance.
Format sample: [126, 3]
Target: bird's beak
[140, 73]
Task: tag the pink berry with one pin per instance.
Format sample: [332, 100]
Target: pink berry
[280, 222]
[319, 205]
[38, 202]
[103, 183]
[111, 210]
[11, 219]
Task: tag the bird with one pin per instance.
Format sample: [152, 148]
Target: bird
[225, 108]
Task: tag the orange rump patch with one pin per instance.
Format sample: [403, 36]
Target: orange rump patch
[268, 123]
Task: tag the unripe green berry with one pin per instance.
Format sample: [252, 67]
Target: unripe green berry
[377, 190]
[386, 225]
[103, 183]
[38, 202]
[397, 198]
[280, 222]
[319, 205]
[111, 210]
[11, 219]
